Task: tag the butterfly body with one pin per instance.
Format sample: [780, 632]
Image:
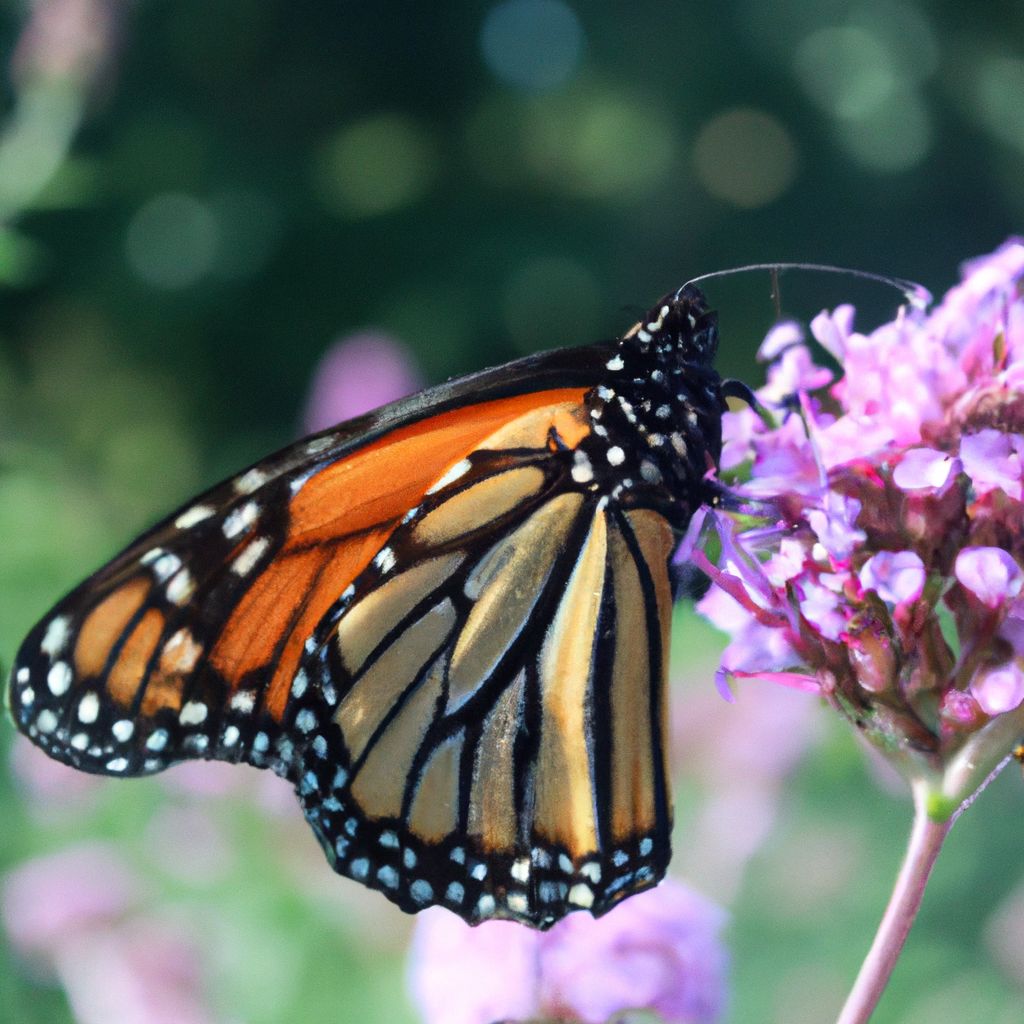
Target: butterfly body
[445, 623]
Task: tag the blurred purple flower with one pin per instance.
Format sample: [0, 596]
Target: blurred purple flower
[999, 690]
[659, 951]
[358, 373]
[922, 468]
[67, 39]
[463, 975]
[51, 899]
[902, 481]
[993, 460]
[48, 785]
[143, 972]
[80, 915]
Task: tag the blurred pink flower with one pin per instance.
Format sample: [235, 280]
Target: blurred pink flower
[49, 786]
[67, 39]
[52, 899]
[358, 373]
[143, 972]
[659, 950]
[463, 975]
[80, 914]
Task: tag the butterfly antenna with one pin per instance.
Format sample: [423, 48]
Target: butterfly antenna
[916, 295]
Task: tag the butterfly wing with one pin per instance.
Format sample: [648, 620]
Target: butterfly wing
[487, 715]
[445, 623]
[380, 613]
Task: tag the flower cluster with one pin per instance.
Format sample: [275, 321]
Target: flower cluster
[659, 951]
[888, 573]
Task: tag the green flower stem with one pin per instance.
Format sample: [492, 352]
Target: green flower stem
[979, 761]
[926, 840]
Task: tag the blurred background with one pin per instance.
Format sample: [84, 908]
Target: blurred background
[224, 223]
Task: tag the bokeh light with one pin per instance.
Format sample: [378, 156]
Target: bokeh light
[375, 166]
[532, 44]
[171, 241]
[997, 99]
[598, 143]
[745, 157]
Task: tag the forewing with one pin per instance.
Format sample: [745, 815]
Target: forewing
[189, 643]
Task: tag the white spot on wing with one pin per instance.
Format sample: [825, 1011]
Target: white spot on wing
[521, 869]
[196, 514]
[58, 679]
[251, 480]
[88, 708]
[123, 730]
[157, 741]
[319, 444]
[193, 713]
[46, 722]
[385, 560]
[244, 701]
[165, 566]
[181, 587]
[180, 653]
[241, 519]
[616, 456]
[581, 895]
[453, 474]
[582, 471]
[56, 636]
[518, 903]
[252, 553]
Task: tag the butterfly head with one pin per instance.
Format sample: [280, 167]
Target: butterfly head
[680, 329]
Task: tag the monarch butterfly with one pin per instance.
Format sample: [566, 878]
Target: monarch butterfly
[446, 623]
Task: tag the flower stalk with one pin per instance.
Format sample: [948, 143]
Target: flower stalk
[926, 839]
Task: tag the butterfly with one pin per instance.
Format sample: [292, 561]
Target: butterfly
[446, 623]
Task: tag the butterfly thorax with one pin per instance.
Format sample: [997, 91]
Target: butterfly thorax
[656, 418]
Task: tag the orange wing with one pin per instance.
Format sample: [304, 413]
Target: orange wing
[208, 615]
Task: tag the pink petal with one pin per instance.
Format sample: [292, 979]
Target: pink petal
[1000, 689]
[991, 574]
[896, 576]
[921, 468]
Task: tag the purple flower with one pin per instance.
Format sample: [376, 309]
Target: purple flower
[358, 373]
[993, 460]
[904, 482]
[999, 690]
[80, 915]
[51, 899]
[463, 975]
[990, 574]
[922, 468]
[659, 950]
[896, 576]
[144, 972]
